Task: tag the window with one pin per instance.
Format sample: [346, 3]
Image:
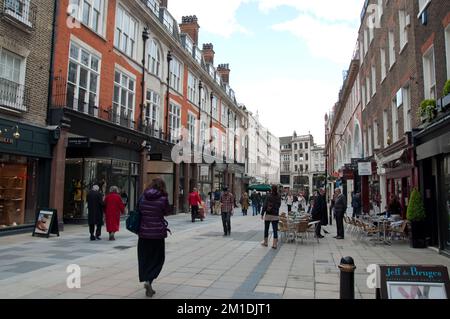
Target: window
[363, 92]
[374, 80]
[205, 97]
[423, 4]
[366, 41]
[368, 90]
[20, 10]
[306, 167]
[203, 133]
[175, 75]
[300, 146]
[123, 101]
[403, 29]
[301, 158]
[174, 122]
[391, 49]
[295, 157]
[215, 110]
[361, 52]
[198, 55]
[306, 156]
[394, 120]
[224, 119]
[429, 74]
[153, 5]
[224, 145]
[295, 168]
[126, 32]
[447, 49]
[188, 45]
[168, 21]
[154, 59]
[191, 127]
[370, 141]
[286, 157]
[192, 88]
[295, 146]
[306, 145]
[385, 128]
[376, 129]
[407, 113]
[12, 78]
[152, 111]
[316, 167]
[83, 80]
[383, 64]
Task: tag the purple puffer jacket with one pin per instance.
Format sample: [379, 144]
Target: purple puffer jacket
[153, 207]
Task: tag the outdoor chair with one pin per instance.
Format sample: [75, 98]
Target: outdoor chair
[398, 230]
[302, 230]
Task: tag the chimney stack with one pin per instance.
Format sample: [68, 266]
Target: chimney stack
[189, 25]
[163, 4]
[208, 53]
[224, 71]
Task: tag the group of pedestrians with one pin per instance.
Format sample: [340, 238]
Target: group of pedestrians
[110, 206]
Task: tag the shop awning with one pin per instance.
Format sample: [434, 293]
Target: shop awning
[382, 160]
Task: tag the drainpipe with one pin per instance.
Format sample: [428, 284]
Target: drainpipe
[52, 61]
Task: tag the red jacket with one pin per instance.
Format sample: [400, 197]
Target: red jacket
[194, 199]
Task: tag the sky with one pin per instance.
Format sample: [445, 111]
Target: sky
[286, 57]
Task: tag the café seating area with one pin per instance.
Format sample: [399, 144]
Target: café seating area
[377, 229]
[296, 227]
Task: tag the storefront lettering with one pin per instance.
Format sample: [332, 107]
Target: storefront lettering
[6, 140]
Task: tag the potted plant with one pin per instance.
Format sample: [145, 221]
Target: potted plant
[445, 102]
[416, 216]
[428, 110]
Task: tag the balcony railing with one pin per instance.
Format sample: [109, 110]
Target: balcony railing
[66, 98]
[153, 131]
[13, 95]
[20, 11]
[123, 117]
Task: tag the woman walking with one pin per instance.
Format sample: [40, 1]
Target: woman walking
[245, 204]
[153, 206]
[271, 211]
[114, 207]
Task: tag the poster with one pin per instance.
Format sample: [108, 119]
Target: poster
[44, 222]
[413, 282]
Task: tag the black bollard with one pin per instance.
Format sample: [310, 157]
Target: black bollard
[347, 268]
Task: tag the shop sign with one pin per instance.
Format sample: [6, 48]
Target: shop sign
[204, 170]
[413, 282]
[365, 169]
[155, 157]
[46, 223]
[348, 174]
[6, 140]
[80, 142]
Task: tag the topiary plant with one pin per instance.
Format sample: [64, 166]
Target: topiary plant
[416, 210]
[428, 109]
[446, 88]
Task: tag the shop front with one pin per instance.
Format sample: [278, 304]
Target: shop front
[433, 158]
[98, 152]
[25, 161]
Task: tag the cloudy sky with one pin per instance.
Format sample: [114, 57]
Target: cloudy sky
[286, 56]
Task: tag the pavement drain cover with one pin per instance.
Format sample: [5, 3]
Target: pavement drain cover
[123, 247]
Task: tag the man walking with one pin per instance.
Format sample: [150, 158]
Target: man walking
[340, 208]
[95, 212]
[254, 200]
[217, 202]
[356, 204]
[227, 203]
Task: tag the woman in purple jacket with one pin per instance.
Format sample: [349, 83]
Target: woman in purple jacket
[153, 205]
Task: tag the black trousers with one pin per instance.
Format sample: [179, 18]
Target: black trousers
[194, 212]
[274, 228]
[340, 224]
[98, 232]
[318, 229]
[226, 221]
[151, 257]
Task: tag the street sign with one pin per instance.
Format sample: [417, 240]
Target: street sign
[204, 170]
[365, 169]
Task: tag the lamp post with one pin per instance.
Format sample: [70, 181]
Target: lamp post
[145, 37]
[169, 59]
[330, 215]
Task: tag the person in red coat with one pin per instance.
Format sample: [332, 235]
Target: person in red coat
[194, 201]
[114, 206]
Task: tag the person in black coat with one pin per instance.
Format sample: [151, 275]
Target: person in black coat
[319, 213]
[95, 212]
[340, 208]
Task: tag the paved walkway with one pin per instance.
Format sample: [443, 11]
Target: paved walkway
[200, 263]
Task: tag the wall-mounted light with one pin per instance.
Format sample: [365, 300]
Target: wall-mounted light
[5, 131]
[16, 134]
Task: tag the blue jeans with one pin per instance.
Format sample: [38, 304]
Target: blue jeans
[255, 208]
[274, 228]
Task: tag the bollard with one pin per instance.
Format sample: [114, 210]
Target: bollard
[347, 267]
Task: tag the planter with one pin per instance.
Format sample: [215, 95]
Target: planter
[418, 237]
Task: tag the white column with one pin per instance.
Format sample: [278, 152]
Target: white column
[383, 192]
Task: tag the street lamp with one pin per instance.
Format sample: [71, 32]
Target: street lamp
[169, 59]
